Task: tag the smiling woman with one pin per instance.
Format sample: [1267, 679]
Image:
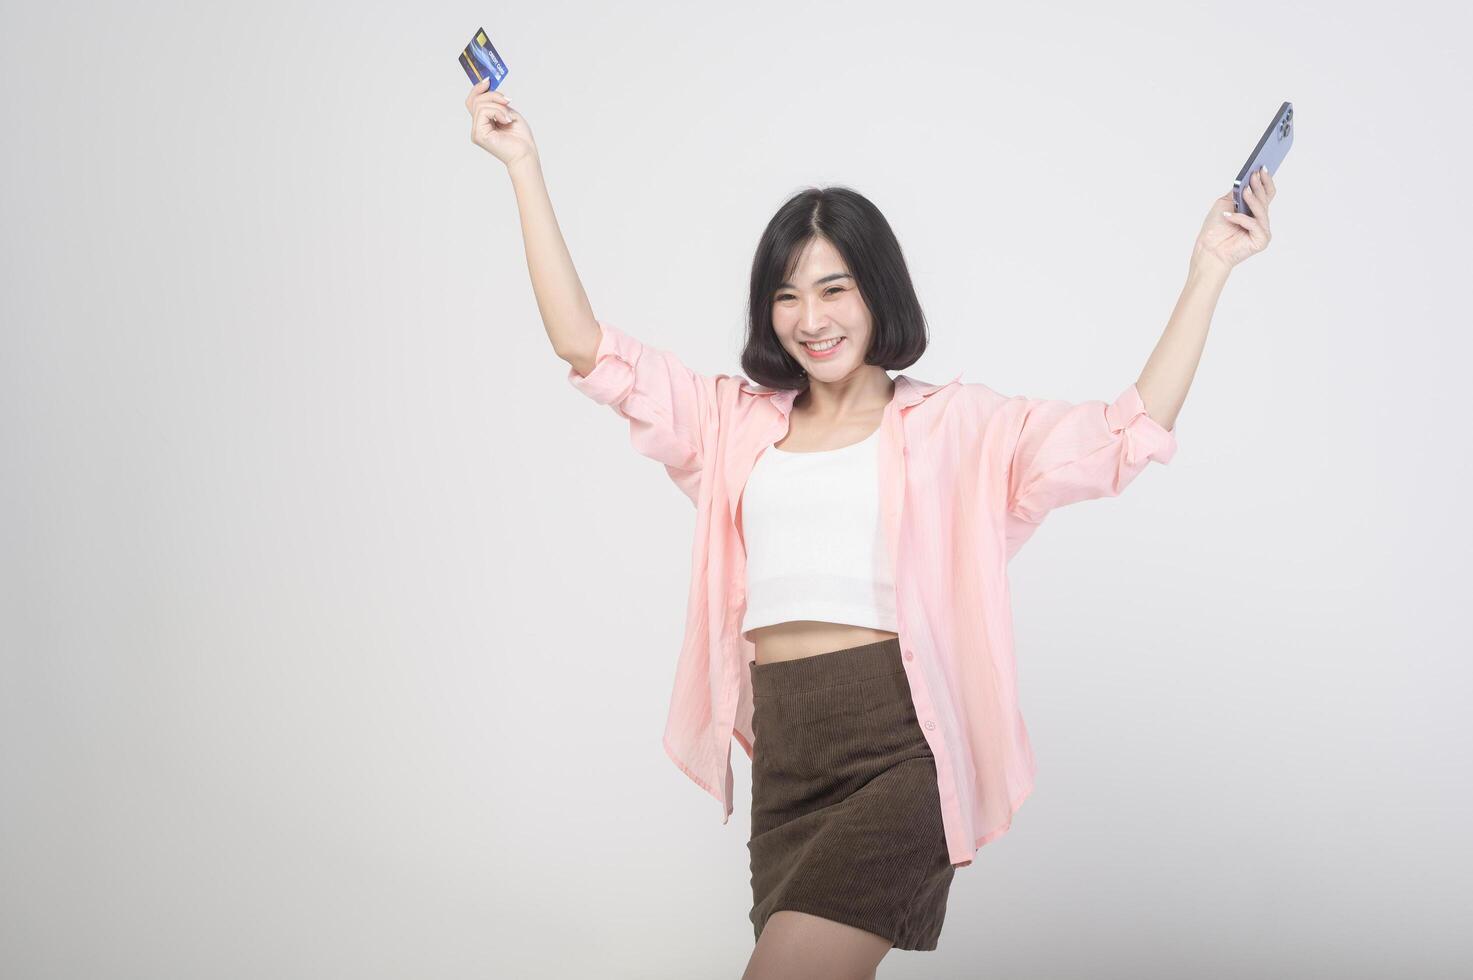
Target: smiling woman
[870, 677]
[829, 266]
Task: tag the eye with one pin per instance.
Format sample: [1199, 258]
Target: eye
[826, 292]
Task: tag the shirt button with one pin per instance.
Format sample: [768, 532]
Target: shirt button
[909, 655]
[930, 725]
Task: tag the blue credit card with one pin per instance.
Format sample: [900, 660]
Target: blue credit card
[480, 60]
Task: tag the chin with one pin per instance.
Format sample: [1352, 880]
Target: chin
[844, 364]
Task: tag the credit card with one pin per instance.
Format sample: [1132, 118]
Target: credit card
[480, 60]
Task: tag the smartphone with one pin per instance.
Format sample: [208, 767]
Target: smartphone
[1272, 147]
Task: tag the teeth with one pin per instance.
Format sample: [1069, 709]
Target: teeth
[824, 346]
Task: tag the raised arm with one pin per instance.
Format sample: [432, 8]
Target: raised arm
[1065, 452]
[566, 313]
[670, 408]
[1226, 238]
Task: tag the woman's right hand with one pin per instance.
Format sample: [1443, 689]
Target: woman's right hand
[496, 127]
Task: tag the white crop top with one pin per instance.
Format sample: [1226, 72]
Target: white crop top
[815, 546]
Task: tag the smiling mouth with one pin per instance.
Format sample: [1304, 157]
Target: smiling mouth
[824, 351]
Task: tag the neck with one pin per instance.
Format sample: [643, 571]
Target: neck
[860, 394]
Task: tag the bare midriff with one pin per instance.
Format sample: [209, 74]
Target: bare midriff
[805, 638]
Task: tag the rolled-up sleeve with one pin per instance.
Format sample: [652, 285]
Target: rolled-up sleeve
[666, 403]
[1068, 451]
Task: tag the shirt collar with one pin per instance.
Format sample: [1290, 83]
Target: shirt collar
[908, 391]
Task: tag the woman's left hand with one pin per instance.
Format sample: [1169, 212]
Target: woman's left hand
[1228, 237]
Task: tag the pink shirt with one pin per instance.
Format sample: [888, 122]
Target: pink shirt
[966, 476]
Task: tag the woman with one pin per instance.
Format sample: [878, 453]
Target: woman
[848, 592]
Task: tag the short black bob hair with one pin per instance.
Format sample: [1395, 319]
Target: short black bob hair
[859, 232]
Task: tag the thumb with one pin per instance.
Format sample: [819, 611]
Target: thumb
[1242, 221]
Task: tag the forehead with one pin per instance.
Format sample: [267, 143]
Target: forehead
[818, 251]
[817, 262]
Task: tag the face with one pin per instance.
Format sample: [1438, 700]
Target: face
[821, 302]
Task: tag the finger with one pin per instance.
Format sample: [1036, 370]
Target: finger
[492, 112]
[1263, 193]
[1268, 184]
[477, 88]
[1258, 205]
[492, 98]
[1241, 220]
[1257, 234]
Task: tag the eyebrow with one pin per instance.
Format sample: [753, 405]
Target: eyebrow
[818, 282]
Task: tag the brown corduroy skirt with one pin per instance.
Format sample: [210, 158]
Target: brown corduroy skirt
[846, 818]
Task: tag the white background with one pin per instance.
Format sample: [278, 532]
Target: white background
[338, 630]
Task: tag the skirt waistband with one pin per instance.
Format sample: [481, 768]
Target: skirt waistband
[829, 669]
